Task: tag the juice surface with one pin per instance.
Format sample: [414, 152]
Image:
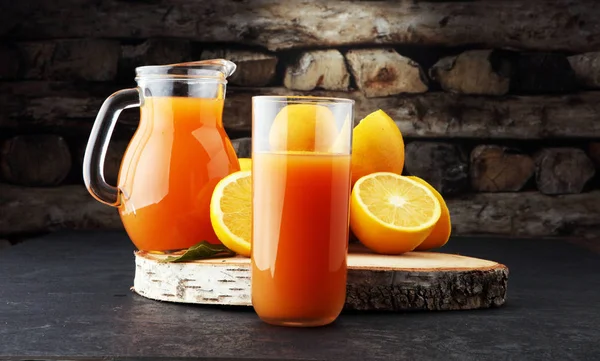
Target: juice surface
[300, 236]
[177, 156]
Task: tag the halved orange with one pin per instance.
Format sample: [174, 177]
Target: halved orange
[245, 163]
[392, 214]
[441, 232]
[231, 212]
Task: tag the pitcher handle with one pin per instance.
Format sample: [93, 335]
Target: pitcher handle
[95, 151]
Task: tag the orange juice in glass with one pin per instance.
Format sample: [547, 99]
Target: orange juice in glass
[301, 149]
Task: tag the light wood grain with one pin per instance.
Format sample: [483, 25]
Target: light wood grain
[479, 72]
[413, 281]
[71, 106]
[322, 69]
[495, 168]
[587, 69]
[563, 170]
[444, 115]
[274, 24]
[515, 214]
[383, 72]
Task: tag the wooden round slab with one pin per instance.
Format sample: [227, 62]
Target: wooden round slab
[412, 281]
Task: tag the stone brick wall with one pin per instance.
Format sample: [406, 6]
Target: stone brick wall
[499, 102]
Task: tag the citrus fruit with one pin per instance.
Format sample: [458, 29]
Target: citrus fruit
[303, 127]
[441, 232]
[231, 211]
[245, 163]
[392, 214]
[342, 144]
[377, 146]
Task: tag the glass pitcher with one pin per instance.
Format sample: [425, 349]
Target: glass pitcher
[176, 157]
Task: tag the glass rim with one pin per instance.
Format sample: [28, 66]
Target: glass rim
[304, 99]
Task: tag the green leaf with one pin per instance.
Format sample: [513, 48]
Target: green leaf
[202, 250]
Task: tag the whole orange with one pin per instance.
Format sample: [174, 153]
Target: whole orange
[303, 127]
[377, 146]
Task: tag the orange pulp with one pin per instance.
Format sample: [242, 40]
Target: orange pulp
[175, 159]
[300, 235]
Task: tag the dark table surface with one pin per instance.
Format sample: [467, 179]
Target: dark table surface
[67, 295]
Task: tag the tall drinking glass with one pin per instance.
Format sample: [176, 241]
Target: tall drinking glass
[301, 152]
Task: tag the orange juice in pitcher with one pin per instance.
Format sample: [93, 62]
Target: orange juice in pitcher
[178, 154]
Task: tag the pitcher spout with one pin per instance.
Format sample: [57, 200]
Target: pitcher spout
[217, 69]
[225, 67]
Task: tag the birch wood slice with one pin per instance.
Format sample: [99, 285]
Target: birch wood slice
[410, 282]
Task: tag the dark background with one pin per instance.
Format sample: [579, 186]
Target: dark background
[497, 100]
